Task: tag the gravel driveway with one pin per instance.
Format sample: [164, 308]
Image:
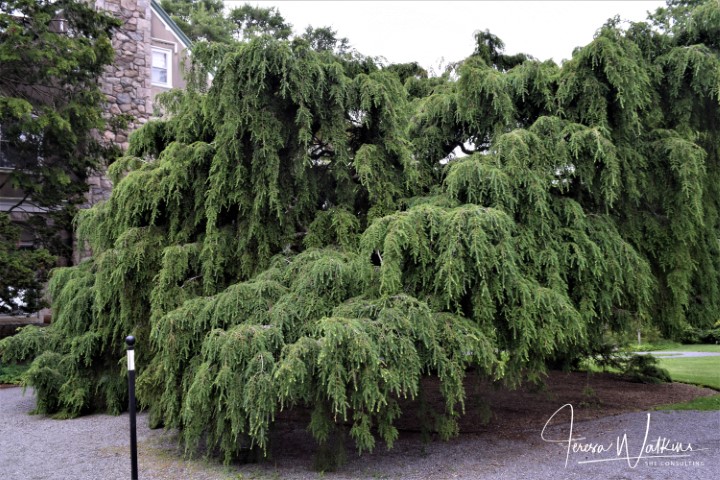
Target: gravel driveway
[669, 353]
[96, 447]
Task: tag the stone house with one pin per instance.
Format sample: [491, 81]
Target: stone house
[150, 51]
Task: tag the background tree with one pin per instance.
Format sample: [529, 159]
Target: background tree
[208, 20]
[325, 39]
[23, 271]
[304, 237]
[51, 54]
[200, 19]
[250, 21]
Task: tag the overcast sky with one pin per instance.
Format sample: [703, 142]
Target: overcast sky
[429, 31]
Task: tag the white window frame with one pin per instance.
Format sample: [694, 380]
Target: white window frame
[169, 66]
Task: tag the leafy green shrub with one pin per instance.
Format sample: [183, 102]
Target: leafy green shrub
[645, 369]
[710, 335]
[693, 335]
[690, 335]
[628, 339]
[636, 367]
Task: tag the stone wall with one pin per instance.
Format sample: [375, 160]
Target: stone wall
[126, 83]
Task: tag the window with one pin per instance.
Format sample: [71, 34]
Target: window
[161, 67]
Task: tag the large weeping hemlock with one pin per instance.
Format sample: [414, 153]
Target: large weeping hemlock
[302, 236]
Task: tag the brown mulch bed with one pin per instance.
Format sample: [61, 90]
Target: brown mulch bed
[505, 413]
[496, 412]
[595, 395]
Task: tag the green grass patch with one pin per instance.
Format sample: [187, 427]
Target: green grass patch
[703, 371]
[654, 346]
[12, 374]
[702, 403]
[695, 348]
[672, 346]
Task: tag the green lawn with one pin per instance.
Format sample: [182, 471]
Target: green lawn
[702, 403]
[703, 371]
[673, 346]
[652, 346]
[691, 348]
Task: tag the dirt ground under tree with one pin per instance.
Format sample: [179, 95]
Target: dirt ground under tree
[511, 413]
[592, 395]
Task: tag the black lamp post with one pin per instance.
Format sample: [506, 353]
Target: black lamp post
[130, 340]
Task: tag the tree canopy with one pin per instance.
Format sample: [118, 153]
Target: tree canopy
[200, 19]
[207, 20]
[306, 233]
[51, 55]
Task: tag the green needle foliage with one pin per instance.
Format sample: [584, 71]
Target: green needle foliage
[303, 236]
[200, 19]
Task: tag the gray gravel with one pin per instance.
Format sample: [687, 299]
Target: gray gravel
[669, 353]
[96, 448]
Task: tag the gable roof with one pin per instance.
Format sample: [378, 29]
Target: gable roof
[170, 24]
